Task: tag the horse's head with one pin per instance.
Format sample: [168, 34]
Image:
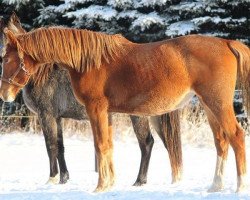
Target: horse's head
[12, 23]
[16, 67]
[14, 73]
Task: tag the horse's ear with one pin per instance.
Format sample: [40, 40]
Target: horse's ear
[10, 37]
[14, 18]
[14, 24]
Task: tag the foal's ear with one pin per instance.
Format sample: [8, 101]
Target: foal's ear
[11, 38]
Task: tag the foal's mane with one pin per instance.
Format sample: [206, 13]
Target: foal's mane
[80, 49]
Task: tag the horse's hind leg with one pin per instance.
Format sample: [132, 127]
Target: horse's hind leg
[221, 144]
[224, 113]
[49, 127]
[64, 174]
[146, 142]
[168, 128]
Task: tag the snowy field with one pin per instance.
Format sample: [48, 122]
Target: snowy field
[24, 170]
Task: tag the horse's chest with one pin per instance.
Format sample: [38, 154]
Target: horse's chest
[29, 102]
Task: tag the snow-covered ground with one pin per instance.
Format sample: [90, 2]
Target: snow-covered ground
[24, 170]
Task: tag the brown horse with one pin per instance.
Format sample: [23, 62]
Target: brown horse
[111, 74]
[43, 96]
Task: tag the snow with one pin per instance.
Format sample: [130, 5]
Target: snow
[181, 28]
[144, 21]
[24, 169]
[13, 2]
[148, 3]
[123, 4]
[94, 11]
[216, 20]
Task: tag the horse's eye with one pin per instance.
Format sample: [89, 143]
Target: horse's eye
[5, 60]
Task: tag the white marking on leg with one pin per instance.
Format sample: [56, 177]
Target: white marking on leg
[218, 182]
[53, 180]
[241, 186]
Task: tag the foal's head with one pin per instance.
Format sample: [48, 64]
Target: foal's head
[16, 67]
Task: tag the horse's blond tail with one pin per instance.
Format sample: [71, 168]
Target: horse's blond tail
[242, 53]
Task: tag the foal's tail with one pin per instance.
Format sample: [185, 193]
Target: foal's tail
[242, 54]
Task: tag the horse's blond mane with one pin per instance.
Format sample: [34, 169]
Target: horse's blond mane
[80, 49]
[42, 74]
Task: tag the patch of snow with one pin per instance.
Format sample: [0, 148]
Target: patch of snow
[77, 1]
[25, 169]
[180, 28]
[187, 6]
[201, 20]
[148, 3]
[123, 4]
[94, 11]
[132, 14]
[15, 2]
[144, 21]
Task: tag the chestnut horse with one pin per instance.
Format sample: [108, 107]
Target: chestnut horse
[111, 74]
[50, 96]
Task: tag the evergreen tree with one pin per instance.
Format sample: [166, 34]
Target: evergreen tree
[140, 20]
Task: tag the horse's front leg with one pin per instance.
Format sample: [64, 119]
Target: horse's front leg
[97, 111]
[49, 127]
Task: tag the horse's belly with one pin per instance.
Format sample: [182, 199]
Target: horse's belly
[143, 105]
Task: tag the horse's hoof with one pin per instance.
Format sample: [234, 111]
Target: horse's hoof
[64, 178]
[240, 189]
[241, 186]
[176, 180]
[53, 180]
[177, 177]
[140, 183]
[215, 188]
[101, 189]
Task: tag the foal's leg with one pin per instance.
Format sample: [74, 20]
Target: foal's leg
[221, 144]
[64, 174]
[146, 142]
[97, 112]
[168, 128]
[225, 116]
[49, 127]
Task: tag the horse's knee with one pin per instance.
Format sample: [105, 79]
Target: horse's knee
[147, 145]
[237, 138]
[149, 141]
[103, 148]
